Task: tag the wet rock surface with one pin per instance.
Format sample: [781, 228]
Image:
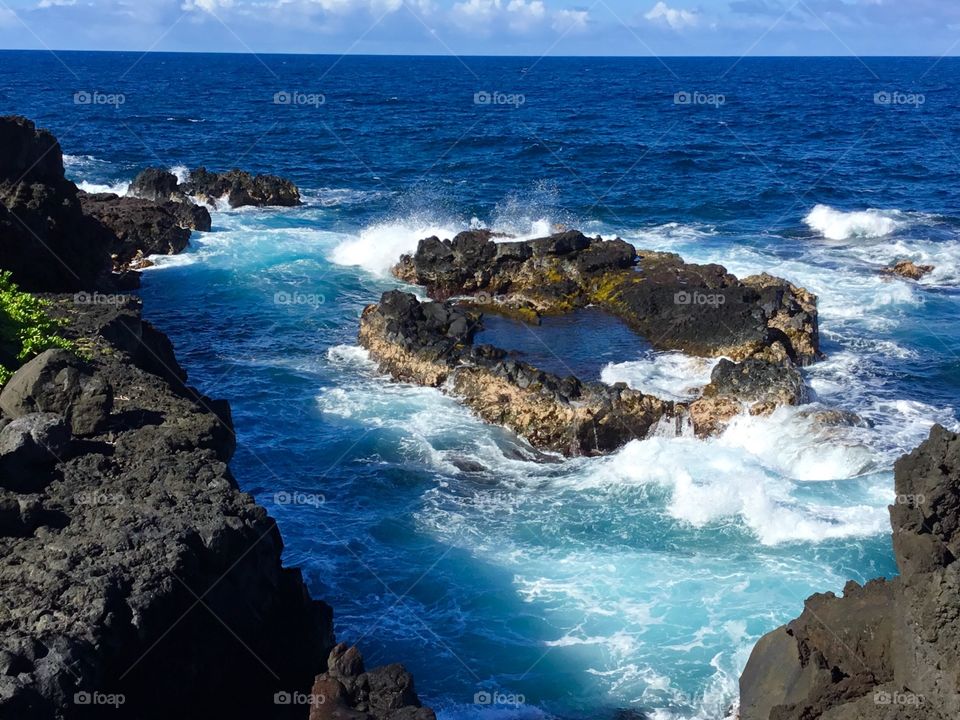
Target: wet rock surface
[144, 227]
[347, 690]
[698, 309]
[758, 386]
[763, 326]
[909, 270]
[891, 648]
[240, 188]
[431, 343]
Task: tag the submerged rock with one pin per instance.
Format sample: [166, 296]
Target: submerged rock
[889, 649]
[908, 269]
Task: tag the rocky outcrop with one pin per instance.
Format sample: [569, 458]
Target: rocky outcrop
[431, 344]
[758, 386]
[347, 691]
[156, 185]
[698, 309]
[908, 269]
[137, 580]
[144, 227]
[891, 648]
[59, 382]
[46, 241]
[240, 188]
[133, 566]
[763, 326]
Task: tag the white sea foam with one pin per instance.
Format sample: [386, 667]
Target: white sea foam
[670, 375]
[378, 247]
[81, 162]
[839, 225]
[714, 480]
[117, 188]
[669, 236]
[182, 173]
[347, 356]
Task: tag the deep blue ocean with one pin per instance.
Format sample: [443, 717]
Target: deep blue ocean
[515, 587]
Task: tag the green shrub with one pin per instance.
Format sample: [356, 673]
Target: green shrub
[26, 330]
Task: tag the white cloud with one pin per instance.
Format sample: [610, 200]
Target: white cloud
[206, 5]
[673, 17]
[519, 16]
[523, 15]
[56, 3]
[570, 21]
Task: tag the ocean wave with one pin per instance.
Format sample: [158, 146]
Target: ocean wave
[669, 237]
[836, 224]
[71, 162]
[117, 188]
[669, 375]
[378, 247]
[716, 480]
[182, 173]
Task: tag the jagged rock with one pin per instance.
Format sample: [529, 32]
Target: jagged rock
[347, 691]
[908, 269]
[155, 184]
[145, 518]
[926, 517]
[889, 649]
[45, 239]
[57, 381]
[699, 309]
[162, 187]
[240, 188]
[132, 564]
[29, 447]
[190, 215]
[20, 515]
[759, 385]
[141, 227]
[431, 344]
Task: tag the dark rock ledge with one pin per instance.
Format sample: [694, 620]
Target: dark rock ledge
[698, 309]
[767, 327]
[54, 236]
[239, 188]
[889, 650]
[136, 580]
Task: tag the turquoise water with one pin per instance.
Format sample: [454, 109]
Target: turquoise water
[564, 588]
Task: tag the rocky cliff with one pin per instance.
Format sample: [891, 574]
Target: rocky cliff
[137, 581]
[891, 648]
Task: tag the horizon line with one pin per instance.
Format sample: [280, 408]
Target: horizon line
[477, 55]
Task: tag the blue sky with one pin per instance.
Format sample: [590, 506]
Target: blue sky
[490, 27]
